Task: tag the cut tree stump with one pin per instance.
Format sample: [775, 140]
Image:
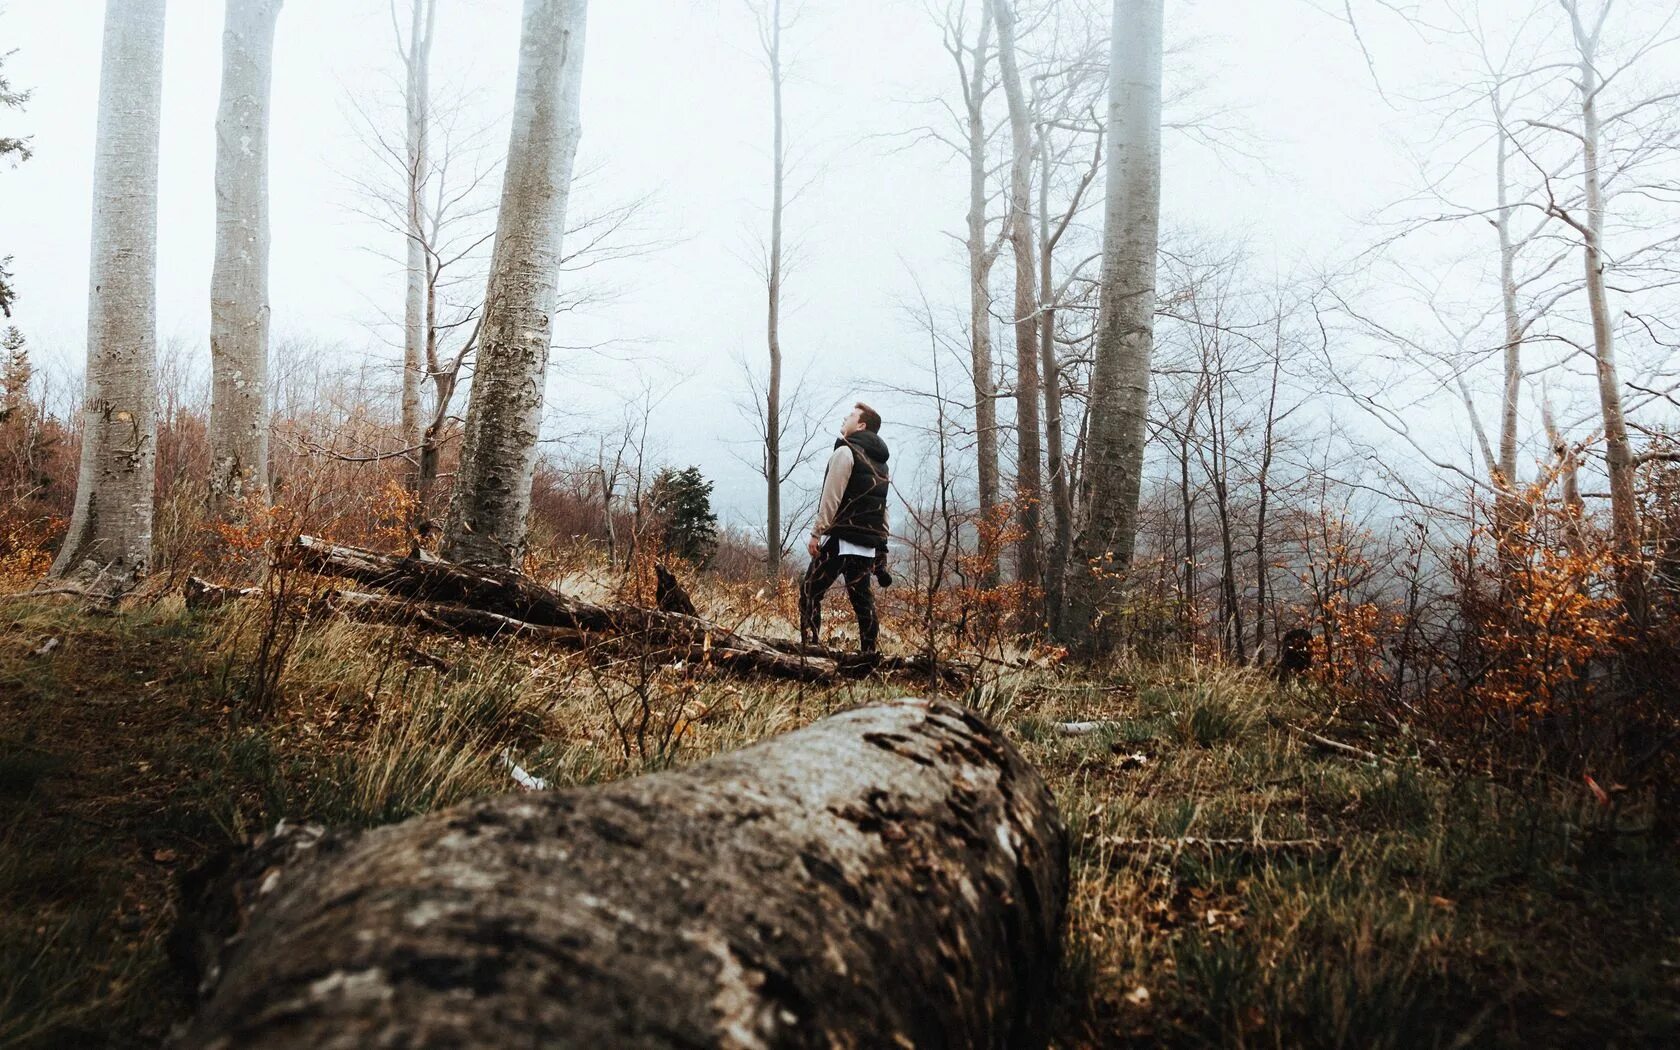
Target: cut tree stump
[446, 594]
[892, 876]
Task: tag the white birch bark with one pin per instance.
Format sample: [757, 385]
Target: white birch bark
[1119, 396]
[239, 310]
[111, 525]
[492, 497]
[417, 58]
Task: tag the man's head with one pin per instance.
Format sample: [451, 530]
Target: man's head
[862, 417]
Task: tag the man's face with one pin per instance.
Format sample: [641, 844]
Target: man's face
[852, 423]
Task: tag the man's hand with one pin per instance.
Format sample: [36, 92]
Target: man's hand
[812, 546]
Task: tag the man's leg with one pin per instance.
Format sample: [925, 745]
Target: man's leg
[863, 601]
[819, 577]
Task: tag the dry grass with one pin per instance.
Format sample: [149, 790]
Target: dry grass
[1426, 910]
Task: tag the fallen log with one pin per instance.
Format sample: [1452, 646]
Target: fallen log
[461, 619]
[892, 876]
[515, 598]
[919, 664]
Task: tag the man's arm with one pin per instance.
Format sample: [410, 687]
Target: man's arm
[834, 487]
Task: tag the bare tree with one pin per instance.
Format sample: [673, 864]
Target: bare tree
[111, 525]
[798, 439]
[1119, 396]
[982, 249]
[1618, 450]
[239, 310]
[1029, 451]
[770, 26]
[420, 301]
[492, 497]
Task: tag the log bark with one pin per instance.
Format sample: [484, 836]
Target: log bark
[892, 876]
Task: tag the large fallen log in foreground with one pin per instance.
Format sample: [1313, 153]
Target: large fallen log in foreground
[514, 599]
[892, 876]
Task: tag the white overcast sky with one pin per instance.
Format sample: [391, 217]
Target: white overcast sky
[675, 106]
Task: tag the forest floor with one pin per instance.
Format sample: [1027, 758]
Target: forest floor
[1235, 882]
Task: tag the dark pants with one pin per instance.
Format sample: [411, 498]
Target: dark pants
[828, 566]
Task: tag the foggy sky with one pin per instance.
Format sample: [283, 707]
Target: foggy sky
[676, 107]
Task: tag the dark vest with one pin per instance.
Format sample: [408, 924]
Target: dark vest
[862, 516]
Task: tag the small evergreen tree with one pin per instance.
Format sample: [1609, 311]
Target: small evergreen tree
[683, 501]
[15, 373]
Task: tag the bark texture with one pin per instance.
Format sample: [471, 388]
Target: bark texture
[1119, 396]
[892, 876]
[492, 495]
[239, 309]
[111, 526]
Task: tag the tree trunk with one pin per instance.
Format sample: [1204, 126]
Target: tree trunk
[773, 318]
[417, 58]
[1574, 510]
[893, 876]
[1512, 388]
[1618, 451]
[1028, 485]
[1508, 508]
[1263, 494]
[1061, 499]
[1111, 479]
[492, 495]
[239, 310]
[111, 525]
[981, 256]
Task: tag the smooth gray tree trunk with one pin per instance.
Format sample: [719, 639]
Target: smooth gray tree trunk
[492, 495]
[1618, 450]
[111, 526]
[1119, 396]
[239, 310]
[1029, 492]
[895, 876]
[417, 304]
[982, 253]
[773, 316]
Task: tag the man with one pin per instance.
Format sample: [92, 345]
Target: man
[849, 537]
